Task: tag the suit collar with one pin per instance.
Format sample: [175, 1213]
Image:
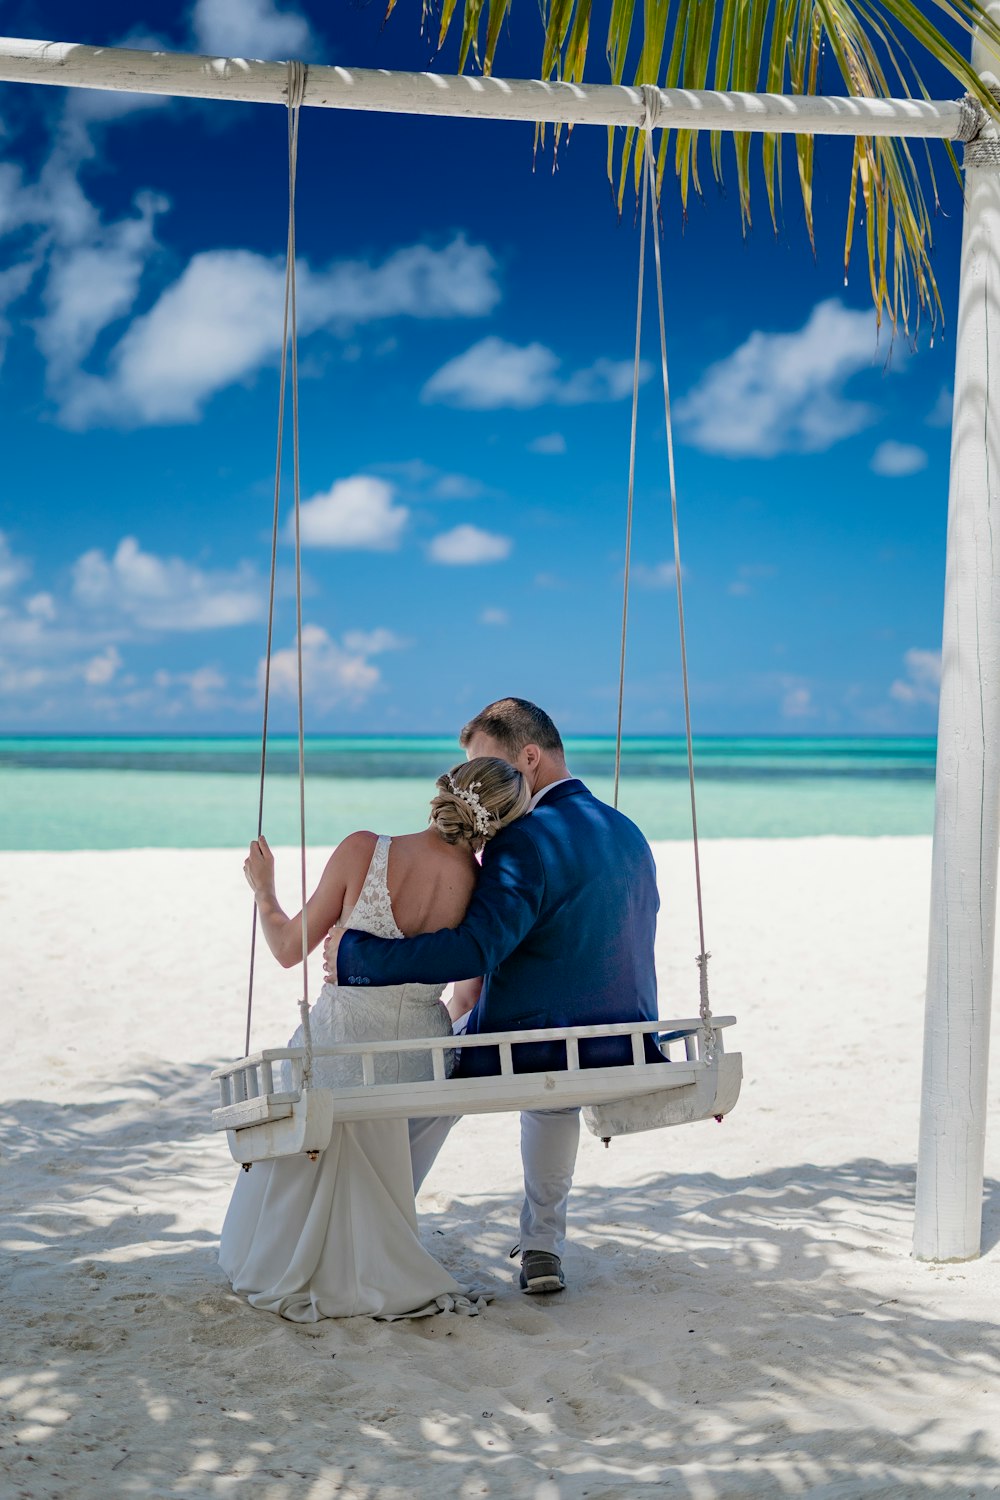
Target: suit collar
[571, 788]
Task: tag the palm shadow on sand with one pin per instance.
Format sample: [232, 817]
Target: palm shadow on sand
[715, 1340]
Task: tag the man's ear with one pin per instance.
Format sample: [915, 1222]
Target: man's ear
[529, 757]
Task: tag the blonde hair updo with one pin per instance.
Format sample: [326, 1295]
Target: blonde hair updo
[476, 798]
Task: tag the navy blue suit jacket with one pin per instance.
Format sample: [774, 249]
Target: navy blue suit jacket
[561, 925]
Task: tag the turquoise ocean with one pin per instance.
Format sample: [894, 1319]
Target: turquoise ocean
[143, 792]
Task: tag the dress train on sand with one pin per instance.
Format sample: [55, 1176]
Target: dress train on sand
[338, 1237]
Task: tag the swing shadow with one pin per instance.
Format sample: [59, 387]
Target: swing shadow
[709, 1340]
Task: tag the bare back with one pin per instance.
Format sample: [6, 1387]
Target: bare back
[430, 882]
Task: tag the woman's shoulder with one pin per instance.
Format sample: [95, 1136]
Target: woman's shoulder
[356, 848]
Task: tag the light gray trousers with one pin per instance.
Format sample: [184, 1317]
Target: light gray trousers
[549, 1141]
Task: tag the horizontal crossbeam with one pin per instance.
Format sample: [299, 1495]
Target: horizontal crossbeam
[242, 79]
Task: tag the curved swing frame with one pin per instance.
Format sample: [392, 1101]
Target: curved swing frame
[263, 1122]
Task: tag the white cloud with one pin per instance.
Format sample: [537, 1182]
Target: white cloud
[203, 687]
[55, 202]
[100, 669]
[416, 281]
[199, 337]
[605, 380]
[550, 442]
[12, 569]
[221, 320]
[17, 680]
[373, 642]
[922, 683]
[456, 487]
[11, 197]
[425, 481]
[747, 575]
[92, 268]
[494, 374]
[796, 702]
[103, 106]
[14, 282]
[469, 544]
[331, 672]
[658, 576]
[61, 650]
[91, 285]
[359, 512]
[941, 412]
[164, 593]
[41, 607]
[250, 28]
[35, 662]
[782, 392]
[896, 460]
[494, 616]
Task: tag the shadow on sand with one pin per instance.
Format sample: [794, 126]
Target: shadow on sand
[720, 1337]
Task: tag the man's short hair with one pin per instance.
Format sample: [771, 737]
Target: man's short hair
[514, 723]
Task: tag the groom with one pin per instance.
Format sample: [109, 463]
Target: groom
[561, 926]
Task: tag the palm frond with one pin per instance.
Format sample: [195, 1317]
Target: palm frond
[777, 46]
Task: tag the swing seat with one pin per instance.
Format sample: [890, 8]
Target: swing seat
[262, 1124]
[711, 1095]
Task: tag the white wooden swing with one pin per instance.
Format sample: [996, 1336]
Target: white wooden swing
[263, 1122]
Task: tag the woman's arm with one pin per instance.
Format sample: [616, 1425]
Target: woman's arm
[283, 934]
[465, 994]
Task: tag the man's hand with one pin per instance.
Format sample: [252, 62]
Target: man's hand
[330, 948]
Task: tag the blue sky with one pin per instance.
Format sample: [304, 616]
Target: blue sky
[467, 318]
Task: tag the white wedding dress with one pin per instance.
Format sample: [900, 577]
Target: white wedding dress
[338, 1236]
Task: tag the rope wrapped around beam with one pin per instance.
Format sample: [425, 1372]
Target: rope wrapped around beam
[982, 144]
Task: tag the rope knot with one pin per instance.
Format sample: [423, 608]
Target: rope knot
[973, 118]
[298, 73]
[978, 132]
[702, 962]
[652, 100]
[708, 1038]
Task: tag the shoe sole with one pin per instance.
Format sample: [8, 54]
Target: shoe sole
[543, 1284]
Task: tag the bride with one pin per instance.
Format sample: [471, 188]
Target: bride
[337, 1237]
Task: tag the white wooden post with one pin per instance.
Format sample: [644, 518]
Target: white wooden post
[967, 805]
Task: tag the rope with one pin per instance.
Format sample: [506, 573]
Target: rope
[297, 75]
[631, 480]
[973, 118]
[983, 152]
[978, 132]
[296, 94]
[708, 1031]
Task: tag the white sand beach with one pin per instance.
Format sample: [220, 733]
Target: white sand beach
[743, 1314]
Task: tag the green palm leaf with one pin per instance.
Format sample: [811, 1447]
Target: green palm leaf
[773, 45]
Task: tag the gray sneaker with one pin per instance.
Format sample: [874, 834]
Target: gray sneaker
[541, 1272]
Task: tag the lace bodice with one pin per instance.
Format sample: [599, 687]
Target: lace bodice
[352, 1013]
[372, 911]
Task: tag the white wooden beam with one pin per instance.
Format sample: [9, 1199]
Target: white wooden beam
[174, 73]
[948, 1221]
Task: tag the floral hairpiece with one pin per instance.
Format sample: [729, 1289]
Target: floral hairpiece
[484, 820]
